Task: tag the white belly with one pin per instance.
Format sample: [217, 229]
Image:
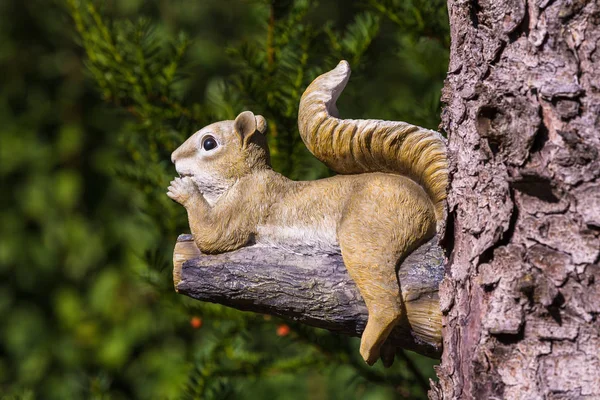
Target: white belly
[320, 238]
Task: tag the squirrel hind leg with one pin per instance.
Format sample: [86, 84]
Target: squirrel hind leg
[379, 287]
[378, 229]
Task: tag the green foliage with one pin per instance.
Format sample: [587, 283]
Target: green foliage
[95, 98]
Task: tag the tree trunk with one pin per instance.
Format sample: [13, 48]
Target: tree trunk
[521, 295]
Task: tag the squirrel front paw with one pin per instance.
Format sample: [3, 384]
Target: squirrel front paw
[182, 189]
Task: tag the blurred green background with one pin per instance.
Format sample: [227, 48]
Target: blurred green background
[94, 97]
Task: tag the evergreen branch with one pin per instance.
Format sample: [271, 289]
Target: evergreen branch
[359, 35]
[410, 18]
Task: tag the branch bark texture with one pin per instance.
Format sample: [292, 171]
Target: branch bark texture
[521, 297]
[315, 289]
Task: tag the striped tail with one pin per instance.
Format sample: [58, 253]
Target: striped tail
[352, 146]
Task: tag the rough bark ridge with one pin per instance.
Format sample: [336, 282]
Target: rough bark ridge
[521, 297]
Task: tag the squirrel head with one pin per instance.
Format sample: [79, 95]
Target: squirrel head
[219, 154]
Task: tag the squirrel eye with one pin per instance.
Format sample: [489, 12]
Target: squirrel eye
[209, 143]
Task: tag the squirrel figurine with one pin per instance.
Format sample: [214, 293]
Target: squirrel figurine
[386, 202]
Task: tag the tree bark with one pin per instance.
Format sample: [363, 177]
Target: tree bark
[313, 289]
[521, 295]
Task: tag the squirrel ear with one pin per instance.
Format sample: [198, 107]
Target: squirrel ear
[261, 124]
[245, 126]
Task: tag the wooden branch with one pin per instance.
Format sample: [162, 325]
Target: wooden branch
[315, 290]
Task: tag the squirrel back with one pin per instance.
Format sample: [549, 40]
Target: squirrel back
[352, 146]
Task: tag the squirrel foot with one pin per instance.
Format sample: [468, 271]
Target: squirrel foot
[369, 353]
[372, 343]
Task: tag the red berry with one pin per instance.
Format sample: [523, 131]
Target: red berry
[283, 330]
[196, 322]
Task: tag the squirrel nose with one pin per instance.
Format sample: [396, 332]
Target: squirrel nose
[187, 149]
[178, 153]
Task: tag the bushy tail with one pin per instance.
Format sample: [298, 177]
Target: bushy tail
[351, 146]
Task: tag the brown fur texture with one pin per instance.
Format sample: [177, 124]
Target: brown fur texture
[351, 146]
[234, 198]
